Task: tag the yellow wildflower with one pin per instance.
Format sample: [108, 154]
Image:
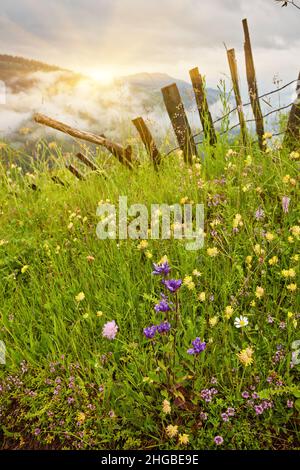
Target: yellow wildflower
[202, 296]
[164, 259]
[166, 408]
[288, 272]
[196, 273]
[270, 236]
[171, 430]
[259, 292]
[228, 312]
[52, 145]
[183, 439]
[290, 315]
[142, 245]
[292, 287]
[293, 258]
[237, 221]
[294, 155]
[290, 239]
[188, 282]
[148, 254]
[273, 260]
[24, 268]
[295, 230]
[81, 417]
[267, 135]
[79, 297]
[245, 356]
[99, 313]
[213, 321]
[212, 252]
[252, 303]
[249, 260]
[295, 323]
[286, 179]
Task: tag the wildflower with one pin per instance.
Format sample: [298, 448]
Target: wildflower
[99, 313]
[292, 287]
[196, 273]
[37, 431]
[197, 348]
[112, 414]
[150, 331]
[212, 252]
[295, 258]
[294, 155]
[202, 296]
[142, 245]
[183, 439]
[163, 327]
[110, 330]
[166, 408]
[267, 135]
[245, 395]
[259, 292]
[203, 416]
[252, 303]
[288, 272]
[248, 160]
[172, 284]
[249, 260]
[85, 315]
[148, 254]
[24, 268]
[225, 417]
[237, 221]
[273, 261]
[245, 356]
[80, 417]
[269, 236]
[258, 409]
[290, 404]
[285, 204]
[295, 230]
[218, 440]
[162, 306]
[171, 430]
[70, 226]
[161, 269]
[258, 250]
[213, 321]
[230, 153]
[90, 258]
[188, 282]
[230, 411]
[259, 214]
[228, 312]
[80, 297]
[240, 322]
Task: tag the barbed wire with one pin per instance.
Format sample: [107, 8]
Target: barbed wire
[277, 90]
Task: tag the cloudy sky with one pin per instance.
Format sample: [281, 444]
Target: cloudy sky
[116, 37]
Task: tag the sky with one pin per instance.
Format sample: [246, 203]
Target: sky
[106, 38]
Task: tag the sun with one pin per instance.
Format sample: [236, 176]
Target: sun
[103, 76]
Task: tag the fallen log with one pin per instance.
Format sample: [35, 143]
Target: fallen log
[124, 155]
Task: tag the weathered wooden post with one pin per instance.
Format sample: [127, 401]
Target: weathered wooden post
[86, 161]
[179, 121]
[292, 134]
[252, 85]
[202, 105]
[75, 172]
[124, 155]
[236, 88]
[147, 140]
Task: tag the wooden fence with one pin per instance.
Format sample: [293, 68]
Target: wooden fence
[180, 123]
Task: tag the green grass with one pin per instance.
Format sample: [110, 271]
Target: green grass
[116, 389]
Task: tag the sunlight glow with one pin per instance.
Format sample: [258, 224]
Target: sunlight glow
[103, 76]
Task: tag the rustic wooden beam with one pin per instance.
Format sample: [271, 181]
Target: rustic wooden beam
[147, 140]
[202, 105]
[252, 86]
[236, 88]
[86, 161]
[124, 155]
[292, 134]
[179, 121]
[75, 172]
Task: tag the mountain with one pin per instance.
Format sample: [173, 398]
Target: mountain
[33, 86]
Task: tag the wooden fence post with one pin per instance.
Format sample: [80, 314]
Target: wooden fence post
[179, 121]
[147, 140]
[124, 155]
[236, 88]
[75, 172]
[292, 134]
[86, 161]
[252, 85]
[202, 105]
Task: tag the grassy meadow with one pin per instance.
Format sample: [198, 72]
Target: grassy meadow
[75, 380]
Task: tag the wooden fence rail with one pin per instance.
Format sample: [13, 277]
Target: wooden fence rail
[147, 140]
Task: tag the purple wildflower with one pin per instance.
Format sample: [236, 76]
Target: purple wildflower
[218, 440]
[162, 269]
[203, 416]
[163, 327]
[230, 411]
[259, 214]
[290, 404]
[285, 204]
[225, 417]
[37, 431]
[197, 348]
[245, 395]
[162, 306]
[172, 284]
[258, 409]
[150, 331]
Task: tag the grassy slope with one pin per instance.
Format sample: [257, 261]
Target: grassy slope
[59, 338]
